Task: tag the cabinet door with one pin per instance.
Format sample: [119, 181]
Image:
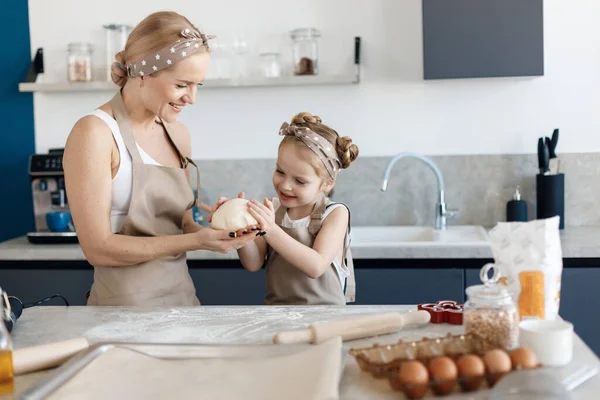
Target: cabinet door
[472, 277]
[229, 286]
[482, 38]
[578, 298]
[34, 284]
[408, 286]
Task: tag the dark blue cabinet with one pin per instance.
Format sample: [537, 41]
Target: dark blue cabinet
[408, 286]
[482, 38]
[33, 284]
[578, 298]
[229, 286]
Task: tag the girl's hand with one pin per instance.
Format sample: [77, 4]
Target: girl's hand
[263, 213]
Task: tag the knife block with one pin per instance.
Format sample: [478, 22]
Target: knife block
[550, 196]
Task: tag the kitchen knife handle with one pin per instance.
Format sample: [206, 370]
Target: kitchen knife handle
[551, 153]
[554, 140]
[543, 156]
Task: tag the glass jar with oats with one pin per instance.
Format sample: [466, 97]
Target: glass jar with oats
[491, 313]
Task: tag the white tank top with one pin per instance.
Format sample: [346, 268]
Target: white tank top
[122, 182]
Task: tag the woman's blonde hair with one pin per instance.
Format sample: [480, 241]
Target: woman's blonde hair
[346, 150]
[153, 33]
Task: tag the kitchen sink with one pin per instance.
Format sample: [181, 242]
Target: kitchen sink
[391, 236]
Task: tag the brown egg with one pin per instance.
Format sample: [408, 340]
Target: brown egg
[498, 364]
[497, 361]
[523, 357]
[443, 370]
[470, 365]
[414, 378]
[471, 371]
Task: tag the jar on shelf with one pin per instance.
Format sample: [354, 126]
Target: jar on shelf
[271, 68]
[116, 38]
[305, 50]
[490, 312]
[79, 62]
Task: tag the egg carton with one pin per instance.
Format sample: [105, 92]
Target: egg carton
[384, 361]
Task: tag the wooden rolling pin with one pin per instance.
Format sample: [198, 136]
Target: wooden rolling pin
[37, 358]
[353, 328]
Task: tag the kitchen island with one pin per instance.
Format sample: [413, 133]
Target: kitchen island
[235, 325]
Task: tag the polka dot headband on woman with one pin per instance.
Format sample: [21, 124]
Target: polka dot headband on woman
[192, 42]
[319, 145]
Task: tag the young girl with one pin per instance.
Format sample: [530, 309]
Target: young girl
[305, 237]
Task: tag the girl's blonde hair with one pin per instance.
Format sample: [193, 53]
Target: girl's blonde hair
[345, 149]
[153, 33]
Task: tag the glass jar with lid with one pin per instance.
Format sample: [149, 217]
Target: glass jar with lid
[490, 312]
[305, 50]
[116, 39]
[79, 62]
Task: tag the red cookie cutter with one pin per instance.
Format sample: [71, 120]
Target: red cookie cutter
[444, 311]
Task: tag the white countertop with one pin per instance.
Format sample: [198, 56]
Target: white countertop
[236, 325]
[577, 242]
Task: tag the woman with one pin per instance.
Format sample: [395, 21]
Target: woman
[127, 176]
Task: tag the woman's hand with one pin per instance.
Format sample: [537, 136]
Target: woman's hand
[222, 241]
[263, 213]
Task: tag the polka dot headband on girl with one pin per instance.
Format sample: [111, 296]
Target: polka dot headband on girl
[319, 145]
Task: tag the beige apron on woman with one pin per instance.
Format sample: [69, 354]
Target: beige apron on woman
[286, 284]
[159, 198]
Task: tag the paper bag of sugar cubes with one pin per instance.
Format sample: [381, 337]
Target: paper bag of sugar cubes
[529, 258]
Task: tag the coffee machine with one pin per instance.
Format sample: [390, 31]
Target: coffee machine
[49, 196]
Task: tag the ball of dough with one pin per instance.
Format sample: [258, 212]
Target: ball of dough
[232, 216]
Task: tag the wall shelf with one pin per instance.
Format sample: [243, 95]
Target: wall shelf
[96, 86]
[36, 67]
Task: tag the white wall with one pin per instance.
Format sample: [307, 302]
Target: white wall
[392, 110]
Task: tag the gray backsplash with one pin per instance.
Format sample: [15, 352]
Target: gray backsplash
[479, 186]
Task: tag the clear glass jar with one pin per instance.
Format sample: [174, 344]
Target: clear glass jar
[490, 312]
[305, 50]
[271, 68]
[79, 62]
[6, 363]
[116, 39]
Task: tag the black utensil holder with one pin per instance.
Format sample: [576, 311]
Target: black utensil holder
[550, 195]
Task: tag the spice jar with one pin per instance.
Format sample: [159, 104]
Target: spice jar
[6, 363]
[490, 311]
[79, 62]
[305, 50]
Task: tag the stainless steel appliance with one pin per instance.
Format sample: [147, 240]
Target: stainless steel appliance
[49, 195]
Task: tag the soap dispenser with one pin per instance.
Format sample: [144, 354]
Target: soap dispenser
[516, 209]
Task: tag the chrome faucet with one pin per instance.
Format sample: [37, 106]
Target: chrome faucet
[441, 212]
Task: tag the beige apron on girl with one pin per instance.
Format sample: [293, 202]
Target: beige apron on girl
[159, 198]
[286, 284]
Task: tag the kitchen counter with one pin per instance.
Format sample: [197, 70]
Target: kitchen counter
[233, 325]
[577, 242]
